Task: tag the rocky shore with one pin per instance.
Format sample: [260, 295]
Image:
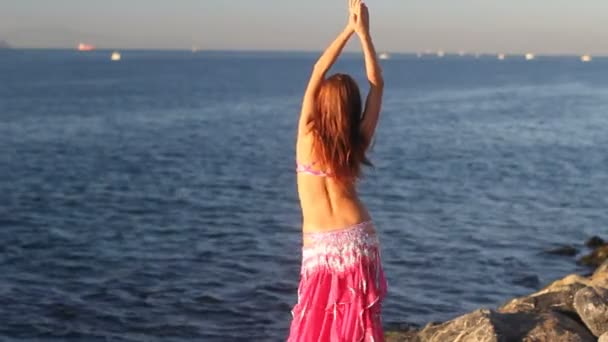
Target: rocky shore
[573, 309]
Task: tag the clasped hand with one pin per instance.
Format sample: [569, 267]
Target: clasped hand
[358, 17]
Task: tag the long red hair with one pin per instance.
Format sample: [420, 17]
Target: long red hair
[339, 145]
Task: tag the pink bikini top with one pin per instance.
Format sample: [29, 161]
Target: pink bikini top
[307, 169]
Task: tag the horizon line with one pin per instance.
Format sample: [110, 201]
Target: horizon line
[425, 52]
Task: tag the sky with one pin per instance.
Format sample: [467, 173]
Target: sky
[540, 26]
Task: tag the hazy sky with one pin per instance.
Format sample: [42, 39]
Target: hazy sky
[542, 26]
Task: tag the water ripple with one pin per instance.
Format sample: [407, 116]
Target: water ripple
[149, 212]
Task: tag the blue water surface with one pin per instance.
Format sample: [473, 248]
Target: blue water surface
[154, 199]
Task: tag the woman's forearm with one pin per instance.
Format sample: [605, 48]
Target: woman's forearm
[372, 67]
[331, 54]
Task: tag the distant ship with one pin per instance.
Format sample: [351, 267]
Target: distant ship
[116, 56]
[85, 47]
[502, 56]
[440, 53]
[586, 58]
[530, 56]
[384, 56]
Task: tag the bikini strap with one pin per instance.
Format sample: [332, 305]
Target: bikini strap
[308, 169]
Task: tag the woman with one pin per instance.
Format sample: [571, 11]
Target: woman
[342, 281]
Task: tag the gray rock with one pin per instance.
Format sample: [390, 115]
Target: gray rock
[489, 326]
[596, 258]
[559, 298]
[592, 306]
[603, 338]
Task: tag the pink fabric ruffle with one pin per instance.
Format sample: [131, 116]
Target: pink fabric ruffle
[341, 288]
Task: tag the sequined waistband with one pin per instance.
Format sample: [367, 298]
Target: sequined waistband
[355, 232]
[340, 249]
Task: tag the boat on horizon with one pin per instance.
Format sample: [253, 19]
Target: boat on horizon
[530, 56]
[384, 56]
[85, 47]
[501, 56]
[116, 56]
[586, 58]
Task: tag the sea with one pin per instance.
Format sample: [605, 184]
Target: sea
[154, 198]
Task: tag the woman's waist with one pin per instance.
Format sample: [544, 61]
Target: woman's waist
[326, 225]
[341, 247]
[323, 216]
[323, 202]
[340, 239]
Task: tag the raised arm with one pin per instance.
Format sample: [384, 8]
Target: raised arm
[325, 62]
[373, 104]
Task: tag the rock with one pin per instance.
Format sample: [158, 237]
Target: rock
[603, 267]
[596, 258]
[561, 300]
[600, 276]
[554, 327]
[595, 242]
[592, 306]
[562, 284]
[563, 250]
[489, 326]
[558, 296]
[572, 309]
[601, 271]
[476, 326]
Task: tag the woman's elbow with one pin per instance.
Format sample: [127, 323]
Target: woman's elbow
[376, 81]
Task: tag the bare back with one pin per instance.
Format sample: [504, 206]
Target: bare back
[326, 205]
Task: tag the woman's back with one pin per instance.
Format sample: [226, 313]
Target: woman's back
[326, 203]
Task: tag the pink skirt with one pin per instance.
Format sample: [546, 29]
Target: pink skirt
[341, 288]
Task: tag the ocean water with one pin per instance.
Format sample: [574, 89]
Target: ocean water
[154, 199]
